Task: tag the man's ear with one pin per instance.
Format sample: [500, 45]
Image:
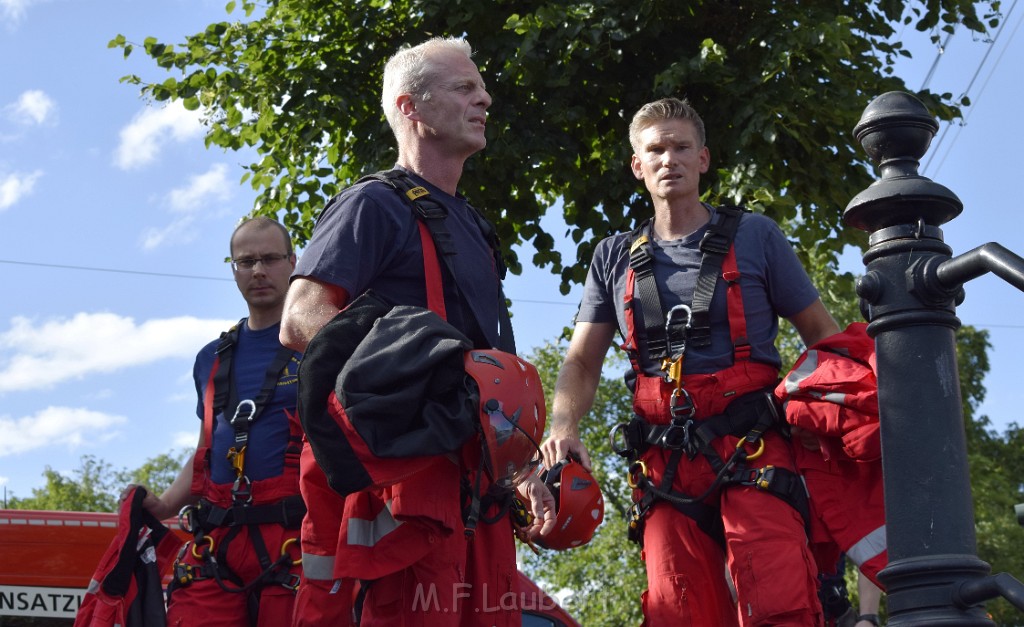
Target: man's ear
[637, 167]
[407, 106]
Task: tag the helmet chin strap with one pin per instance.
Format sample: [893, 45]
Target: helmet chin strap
[473, 515]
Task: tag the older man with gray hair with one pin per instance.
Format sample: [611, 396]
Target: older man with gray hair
[407, 542]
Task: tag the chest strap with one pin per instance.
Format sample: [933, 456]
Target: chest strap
[718, 259]
[243, 413]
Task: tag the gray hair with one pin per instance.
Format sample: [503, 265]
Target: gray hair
[411, 71]
[664, 109]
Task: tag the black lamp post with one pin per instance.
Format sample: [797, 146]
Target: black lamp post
[909, 295]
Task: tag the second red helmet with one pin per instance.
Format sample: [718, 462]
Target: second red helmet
[579, 505]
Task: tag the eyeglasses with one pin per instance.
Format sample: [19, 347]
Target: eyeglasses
[268, 261]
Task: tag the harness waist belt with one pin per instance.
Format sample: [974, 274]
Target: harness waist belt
[741, 416]
[287, 512]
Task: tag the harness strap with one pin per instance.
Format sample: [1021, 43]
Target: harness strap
[432, 213]
[754, 411]
[641, 262]
[784, 484]
[718, 259]
[225, 395]
[287, 512]
[432, 273]
[708, 518]
[716, 244]
[748, 416]
[222, 377]
[737, 315]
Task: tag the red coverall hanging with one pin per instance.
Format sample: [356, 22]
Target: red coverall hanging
[127, 588]
[831, 399]
[765, 544]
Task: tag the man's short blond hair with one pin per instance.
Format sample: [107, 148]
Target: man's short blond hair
[664, 109]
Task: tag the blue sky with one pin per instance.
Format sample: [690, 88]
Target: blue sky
[91, 176]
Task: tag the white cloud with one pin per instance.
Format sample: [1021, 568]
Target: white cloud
[32, 107]
[13, 11]
[177, 232]
[14, 187]
[147, 133]
[69, 427]
[184, 439]
[202, 189]
[38, 355]
[188, 203]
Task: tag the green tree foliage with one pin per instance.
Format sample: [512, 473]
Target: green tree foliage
[996, 465]
[90, 488]
[606, 576]
[780, 85]
[95, 485]
[158, 473]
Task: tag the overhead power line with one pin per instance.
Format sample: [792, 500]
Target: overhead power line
[208, 278]
[936, 149]
[938, 57]
[114, 270]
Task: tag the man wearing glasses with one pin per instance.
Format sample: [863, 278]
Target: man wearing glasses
[240, 496]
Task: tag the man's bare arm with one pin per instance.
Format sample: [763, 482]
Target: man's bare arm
[310, 305]
[574, 391]
[814, 323]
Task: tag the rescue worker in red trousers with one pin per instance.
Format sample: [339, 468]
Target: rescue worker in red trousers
[240, 493]
[696, 293]
[406, 544]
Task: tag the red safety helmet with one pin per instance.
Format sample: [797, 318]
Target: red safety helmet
[579, 505]
[512, 412]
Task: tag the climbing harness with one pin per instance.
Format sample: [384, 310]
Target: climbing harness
[668, 335]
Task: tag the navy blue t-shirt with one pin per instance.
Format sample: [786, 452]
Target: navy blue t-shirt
[268, 435]
[368, 237]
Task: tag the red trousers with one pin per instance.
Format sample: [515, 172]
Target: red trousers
[766, 548]
[766, 552]
[203, 603]
[460, 583]
[847, 510]
[323, 600]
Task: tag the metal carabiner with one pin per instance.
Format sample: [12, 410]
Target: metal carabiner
[238, 411]
[670, 321]
[617, 434]
[759, 452]
[209, 541]
[680, 404]
[284, 550]
[632, 477]
[186, 519]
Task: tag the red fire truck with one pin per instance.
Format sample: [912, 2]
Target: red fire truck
[47, 559]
